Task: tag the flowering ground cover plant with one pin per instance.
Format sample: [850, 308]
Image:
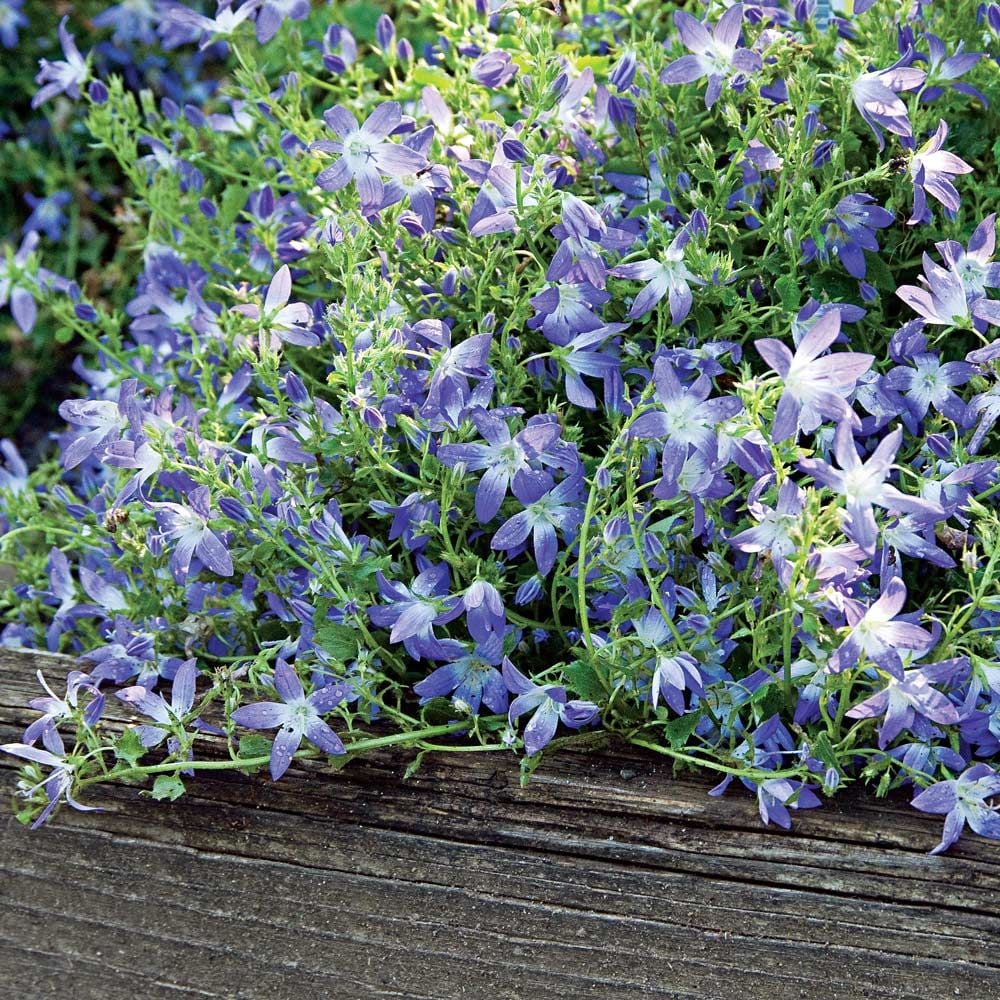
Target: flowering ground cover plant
[534, 375]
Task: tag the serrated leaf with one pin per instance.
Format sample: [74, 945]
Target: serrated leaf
[254, 745]
[678, 731]
[584, 680]
[789, 292]
[339, 641]
[167, 786]
[128, 748]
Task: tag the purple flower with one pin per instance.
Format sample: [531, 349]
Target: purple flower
[47, 215]
[494, 69]
[187, 524]
[773, 533]
[974, 266]
[170, 715]
[297, 716]
[667, 276]
[564, 309]
[932, 169]
[545, 510]
[16, 287]
[54, 709]
[943, 301]
[672, 675]
[484, 611]
[412, 612]
[274, 12]
[550, 706]
[579, 357]
[815, 387]
[875, 97]
[942, 69]
[877, 635]
[63, 76]
[863, 484]
[471, 680]
[849, 233]
[11, 18]
[506, 459]
[930, 381]
[687, 418]
[963, 799]
[365, 153]
[59, 784]
[715, 55]
[285, 323]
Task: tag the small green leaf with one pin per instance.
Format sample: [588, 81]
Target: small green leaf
[128, 748]
[584, 680]
[167, 786]
[340, 641]
[789, 292]
[678, 731]
[254, 745]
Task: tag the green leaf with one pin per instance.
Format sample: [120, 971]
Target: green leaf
[128, 748]
[584, 680]
[167, 786]
[678, 731]
[340, 641]
[254, 745]
[789, 292]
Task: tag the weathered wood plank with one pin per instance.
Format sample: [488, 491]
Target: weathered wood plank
[458, 883]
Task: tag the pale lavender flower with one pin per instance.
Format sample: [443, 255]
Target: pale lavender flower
[668, 276]
[863, 484]
[687, 416]
[59, 784]
[815, 387]
[974, 266]
[65, 76]
[932, 169]
[909, 694]
[168, 715]
[716, 54]
[545, 510]
[365, 153]
[224, 24]
[506, 458]
[773, 532]
[15, 285]
[963, 799]
[875, 96]
[295, 716]
[549, 704]
[931, 382]
[11, 18]
[943, 301]
[876, 634]
[275, 12]
[494, 69]
[54, 709]
[942, 69]
[471, 680]
[285, 323]
[849, 232]
[187, 524]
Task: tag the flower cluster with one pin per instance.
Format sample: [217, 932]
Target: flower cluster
[523, 378]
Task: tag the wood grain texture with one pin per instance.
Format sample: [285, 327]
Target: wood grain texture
[605, 878]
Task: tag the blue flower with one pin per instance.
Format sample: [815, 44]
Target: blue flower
[296, 716]
[549, 704]
[963, 799]
[545, 510]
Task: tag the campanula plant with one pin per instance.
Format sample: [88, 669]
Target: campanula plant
[519, 375]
